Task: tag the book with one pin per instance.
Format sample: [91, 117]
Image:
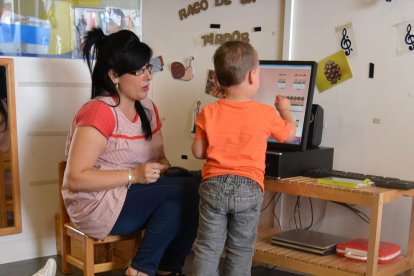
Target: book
[345, 182]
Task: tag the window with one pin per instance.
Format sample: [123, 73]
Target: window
[51, 28]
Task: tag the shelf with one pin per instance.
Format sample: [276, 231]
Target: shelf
[372, 197]
[309, 187]
[296, 260]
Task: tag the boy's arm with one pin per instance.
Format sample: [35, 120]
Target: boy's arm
[199, 148]
[283, 106]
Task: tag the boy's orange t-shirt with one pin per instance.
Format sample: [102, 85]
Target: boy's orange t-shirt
[237, 134]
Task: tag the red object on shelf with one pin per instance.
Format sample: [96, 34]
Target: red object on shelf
[357, 249]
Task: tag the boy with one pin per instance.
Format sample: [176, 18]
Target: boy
[231, 134]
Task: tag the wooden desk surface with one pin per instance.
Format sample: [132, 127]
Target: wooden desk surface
[309, 187]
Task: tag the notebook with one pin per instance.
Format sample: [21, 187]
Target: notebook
[308, 241]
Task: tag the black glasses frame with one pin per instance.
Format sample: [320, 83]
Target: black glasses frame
[141, 71]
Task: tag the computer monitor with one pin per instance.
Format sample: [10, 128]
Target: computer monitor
[296, 81]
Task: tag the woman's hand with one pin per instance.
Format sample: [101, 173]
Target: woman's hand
[147, 173]
[164, 168]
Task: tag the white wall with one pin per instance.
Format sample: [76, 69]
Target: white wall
[177, 40]
[48, 93]
[381, 149]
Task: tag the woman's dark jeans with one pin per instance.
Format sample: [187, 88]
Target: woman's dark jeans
[168, 211]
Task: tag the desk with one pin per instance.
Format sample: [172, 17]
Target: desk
[372, 197]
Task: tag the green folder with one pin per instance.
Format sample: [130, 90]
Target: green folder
[345, 182]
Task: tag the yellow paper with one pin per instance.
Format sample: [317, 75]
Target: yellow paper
[332, 71]
[86, 3]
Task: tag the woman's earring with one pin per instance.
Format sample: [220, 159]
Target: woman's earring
[116, 85]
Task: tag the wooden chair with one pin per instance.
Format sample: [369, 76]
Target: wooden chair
[95, 255]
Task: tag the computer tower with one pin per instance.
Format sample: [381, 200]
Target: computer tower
[284, 164]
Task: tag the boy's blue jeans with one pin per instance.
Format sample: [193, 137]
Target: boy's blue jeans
[168, 211]
[229, 214]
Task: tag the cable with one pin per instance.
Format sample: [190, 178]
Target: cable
[359, 213]
[268, 204]
[270, 201]
[296, 212]
[274, 209]
[311, 210]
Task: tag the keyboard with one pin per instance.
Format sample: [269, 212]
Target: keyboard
[379, 181]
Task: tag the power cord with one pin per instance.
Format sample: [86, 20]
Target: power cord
[357, 212]
[268, 204]
[297, 212]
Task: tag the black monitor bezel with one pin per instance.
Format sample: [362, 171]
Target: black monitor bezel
[276, 146]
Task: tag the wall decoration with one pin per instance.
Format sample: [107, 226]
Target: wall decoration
[333, 70]
[405, 37]
[213, 88]
[346, 39]
[180, 72]
[196, 110]
[193, 9]
[218, 39]
[199, 6]
[371, 70]
[157, 64]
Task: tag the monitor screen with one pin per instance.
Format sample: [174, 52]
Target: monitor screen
[296, 81]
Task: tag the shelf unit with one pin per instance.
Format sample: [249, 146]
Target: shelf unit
[372, 197]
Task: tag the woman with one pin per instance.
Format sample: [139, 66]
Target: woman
[115, 159]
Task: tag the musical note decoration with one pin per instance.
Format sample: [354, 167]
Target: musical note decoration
[346, 39]
[346, 42]
[405, 36]
[409, 38]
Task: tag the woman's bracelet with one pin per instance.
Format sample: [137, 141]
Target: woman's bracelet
[129, 177]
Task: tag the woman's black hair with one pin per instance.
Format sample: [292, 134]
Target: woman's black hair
[122, 52]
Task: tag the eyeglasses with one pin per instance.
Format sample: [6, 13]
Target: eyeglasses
[141, 71]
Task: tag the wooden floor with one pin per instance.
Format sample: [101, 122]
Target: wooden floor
[29, 267]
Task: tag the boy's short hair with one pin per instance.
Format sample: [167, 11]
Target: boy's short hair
[232, 61]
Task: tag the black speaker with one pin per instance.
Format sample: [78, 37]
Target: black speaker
[315, 127]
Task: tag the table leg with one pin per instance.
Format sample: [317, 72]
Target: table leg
[410, 249]
[374, 234]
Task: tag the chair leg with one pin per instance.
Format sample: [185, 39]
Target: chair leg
[88, 257]
[65, 250]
